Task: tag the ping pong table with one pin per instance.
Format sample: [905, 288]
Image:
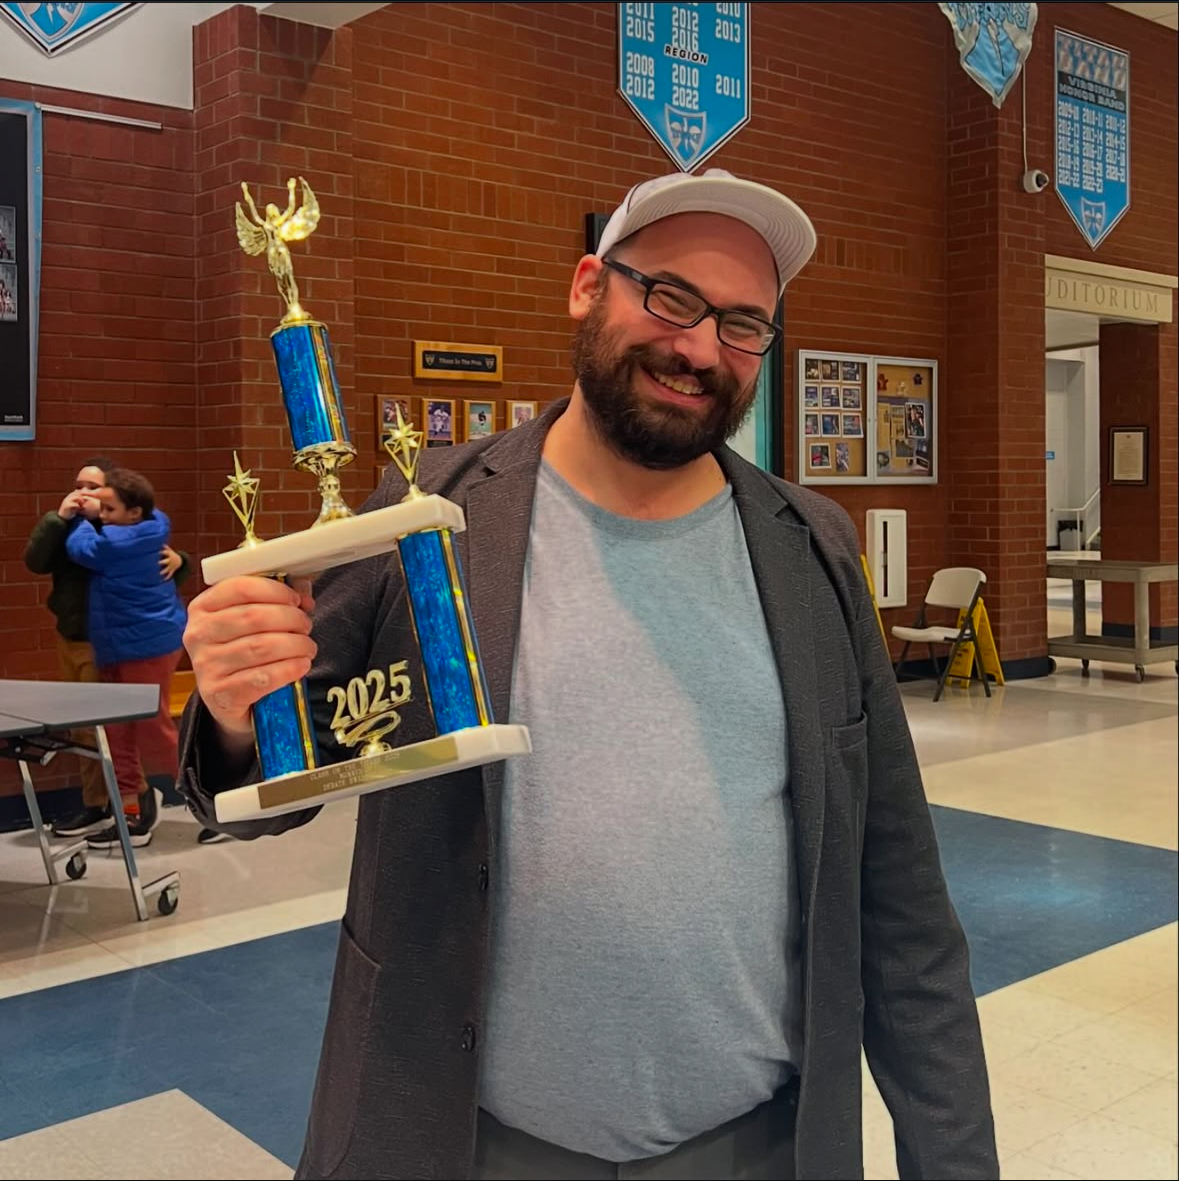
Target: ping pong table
[36, 718]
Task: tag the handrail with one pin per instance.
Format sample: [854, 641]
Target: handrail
[1075, 513]
[1084, 508]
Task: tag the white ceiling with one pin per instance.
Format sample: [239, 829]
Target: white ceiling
[1166, 15]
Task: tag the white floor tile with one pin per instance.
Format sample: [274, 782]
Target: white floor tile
[1154, 1109]
[1023, 1118]
[1023, 1167]
[167, 1137]
[1101, 1149]
[1071, 1075]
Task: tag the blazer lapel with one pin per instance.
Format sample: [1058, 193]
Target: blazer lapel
[780, 553]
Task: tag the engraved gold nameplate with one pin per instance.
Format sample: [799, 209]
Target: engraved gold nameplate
[442, 755]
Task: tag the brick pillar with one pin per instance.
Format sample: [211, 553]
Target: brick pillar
[1138, 522]
[273, 99]
[992, 398]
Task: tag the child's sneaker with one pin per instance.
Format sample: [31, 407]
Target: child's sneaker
[138, 827]
[82, 823]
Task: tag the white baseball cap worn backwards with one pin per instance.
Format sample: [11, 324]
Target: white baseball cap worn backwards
[786, 229]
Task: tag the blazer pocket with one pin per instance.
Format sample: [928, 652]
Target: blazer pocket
[848, 779]
[850, 736]
[337, 1083]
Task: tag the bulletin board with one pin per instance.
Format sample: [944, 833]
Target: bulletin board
[866, 419]
[905, 397]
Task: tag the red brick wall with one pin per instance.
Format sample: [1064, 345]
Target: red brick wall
[1139, 378]
[484, 134]
[273, 100]
[116, 342]
[1136, 523]
[996, 345]
[456, 149]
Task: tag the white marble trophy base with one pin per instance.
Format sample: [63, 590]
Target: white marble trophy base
[338, 542]
[404, 764]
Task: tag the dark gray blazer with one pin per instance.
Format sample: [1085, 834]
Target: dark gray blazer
[884, 957]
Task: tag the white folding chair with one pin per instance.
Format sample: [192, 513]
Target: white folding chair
[956, 588]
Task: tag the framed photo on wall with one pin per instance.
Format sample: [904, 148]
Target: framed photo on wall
[387, 415]
[1127, 455]
[478, 420]
[520, 413]
[438, 421]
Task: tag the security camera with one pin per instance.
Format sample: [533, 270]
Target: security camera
[1035, 181]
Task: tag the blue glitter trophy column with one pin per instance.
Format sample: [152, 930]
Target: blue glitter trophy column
[420, 528]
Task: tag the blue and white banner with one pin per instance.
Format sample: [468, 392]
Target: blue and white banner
[1092, 133]
[993, 41]
[684, 70]
[51, 27]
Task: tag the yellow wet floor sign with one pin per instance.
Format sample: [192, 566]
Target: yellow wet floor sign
[964, 662]
[872, 592]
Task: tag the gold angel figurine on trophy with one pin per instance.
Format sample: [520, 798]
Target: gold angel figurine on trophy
[302, 350]
[272, 233]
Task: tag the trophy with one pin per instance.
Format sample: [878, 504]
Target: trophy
[420, 531]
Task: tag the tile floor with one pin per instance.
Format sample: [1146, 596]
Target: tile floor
[136, 1050]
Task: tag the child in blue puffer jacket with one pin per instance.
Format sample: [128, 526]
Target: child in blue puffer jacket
[136, 629]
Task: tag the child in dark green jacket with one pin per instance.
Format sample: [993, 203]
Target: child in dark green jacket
[46, 554]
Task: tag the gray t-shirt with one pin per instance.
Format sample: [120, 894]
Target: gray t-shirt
[645, 976]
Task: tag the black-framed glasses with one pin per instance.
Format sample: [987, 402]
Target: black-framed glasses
[684, 308]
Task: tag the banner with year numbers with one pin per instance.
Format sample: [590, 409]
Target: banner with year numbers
[684, 70]
[1092, 133]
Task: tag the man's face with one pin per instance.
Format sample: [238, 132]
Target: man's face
[661, 395]
[114, 512]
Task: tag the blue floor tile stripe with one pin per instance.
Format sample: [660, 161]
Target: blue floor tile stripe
[238, 1029]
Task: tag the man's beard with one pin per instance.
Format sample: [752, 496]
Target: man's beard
[656, 435]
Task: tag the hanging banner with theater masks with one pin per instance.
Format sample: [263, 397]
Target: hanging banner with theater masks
[1092, 133]
[51, 27]
[993, 41]
[684, 70]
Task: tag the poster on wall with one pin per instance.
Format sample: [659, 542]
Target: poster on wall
[684, 70]
[1092, 133]
[52, 27]
[20, 265]
[865, 419]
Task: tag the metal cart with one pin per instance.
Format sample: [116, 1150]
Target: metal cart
[1139, 650]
